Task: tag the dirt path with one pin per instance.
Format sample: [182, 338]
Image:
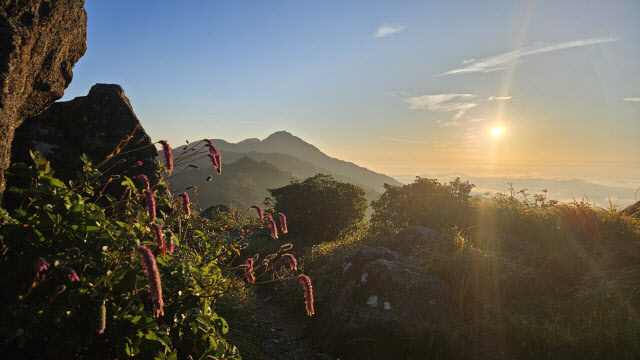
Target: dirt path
[282, 337]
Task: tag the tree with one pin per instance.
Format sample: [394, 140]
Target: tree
[319, 208]
[426, 202]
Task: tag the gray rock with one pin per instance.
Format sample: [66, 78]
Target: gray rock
[408, 240]
[94, 125]
[381, 298]
[40, 42]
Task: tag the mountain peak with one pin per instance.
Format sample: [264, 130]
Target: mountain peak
[282, 134]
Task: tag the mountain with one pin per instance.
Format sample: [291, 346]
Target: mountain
[283, 142]
[241, 184]
[252, 166]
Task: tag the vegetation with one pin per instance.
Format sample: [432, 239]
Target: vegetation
[319, 208]
[531, 278]
[425, 202]
[90, 274]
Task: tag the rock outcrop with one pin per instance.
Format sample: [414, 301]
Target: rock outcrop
[94, 125]
[383, 299]
[40, 42]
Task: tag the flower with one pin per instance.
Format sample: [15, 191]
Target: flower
[153, 277]
[40, 265]
[209, 142]
[71, 274]
[171, 246]
[103, 319]
[144, 179]
[214, 161]
[167, 155]
[248, 273]
[293, 263]
[186, 204]
[151, 204]
[259, 210]
[138, 163]
[305, 281]
[158, 236]
[283, 223]
[272, 228]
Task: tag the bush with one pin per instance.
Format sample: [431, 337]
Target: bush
[86, 274]
[319, 208]
[426, 202]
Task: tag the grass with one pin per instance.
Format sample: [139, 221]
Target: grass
[528, 281]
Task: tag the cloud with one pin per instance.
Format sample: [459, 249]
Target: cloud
[450, 123]
[502, 61]
[386, 30]
[632, 99]
[459, 103]
[402, 140]
[476, 120]
[491, 98]
[467, 61]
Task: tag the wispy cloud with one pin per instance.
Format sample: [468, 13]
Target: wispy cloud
[459, 103]
[502, 61]
[476, 120]
[632, 99]
[492, 98]
[386, 30]
[402, 140]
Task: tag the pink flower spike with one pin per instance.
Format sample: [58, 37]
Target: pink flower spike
[305, 281]
[186, 204]
[214, 161]
[209, 142]
[138, 163]
[41, 264]
[273, 228]
[248, 273]
[293, 263]
[71, 274]
[158, 235]
[153, 277]
[283, 223]
[259, 210]
[167, 155]
[144, 179]
[151, 204]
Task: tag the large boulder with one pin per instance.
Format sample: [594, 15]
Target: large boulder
[40, 42]
[409, 239]
[94, 125]
[383, 302]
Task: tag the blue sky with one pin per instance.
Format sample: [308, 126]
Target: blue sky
[402, 87]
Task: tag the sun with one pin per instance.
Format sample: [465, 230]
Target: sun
[495, 132]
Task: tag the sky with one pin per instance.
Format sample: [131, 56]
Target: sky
[401, 87]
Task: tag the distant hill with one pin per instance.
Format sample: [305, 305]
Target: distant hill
[562, 189]
[250, 167]
[283, 142]
[242, 183]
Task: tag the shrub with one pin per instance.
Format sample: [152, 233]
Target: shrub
[319, 208]
[426, 202]
[88, 274]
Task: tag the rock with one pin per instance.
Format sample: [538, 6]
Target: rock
[94, 125]
[408, 240]
[381, 298]
[40, 42]
[212, 211]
